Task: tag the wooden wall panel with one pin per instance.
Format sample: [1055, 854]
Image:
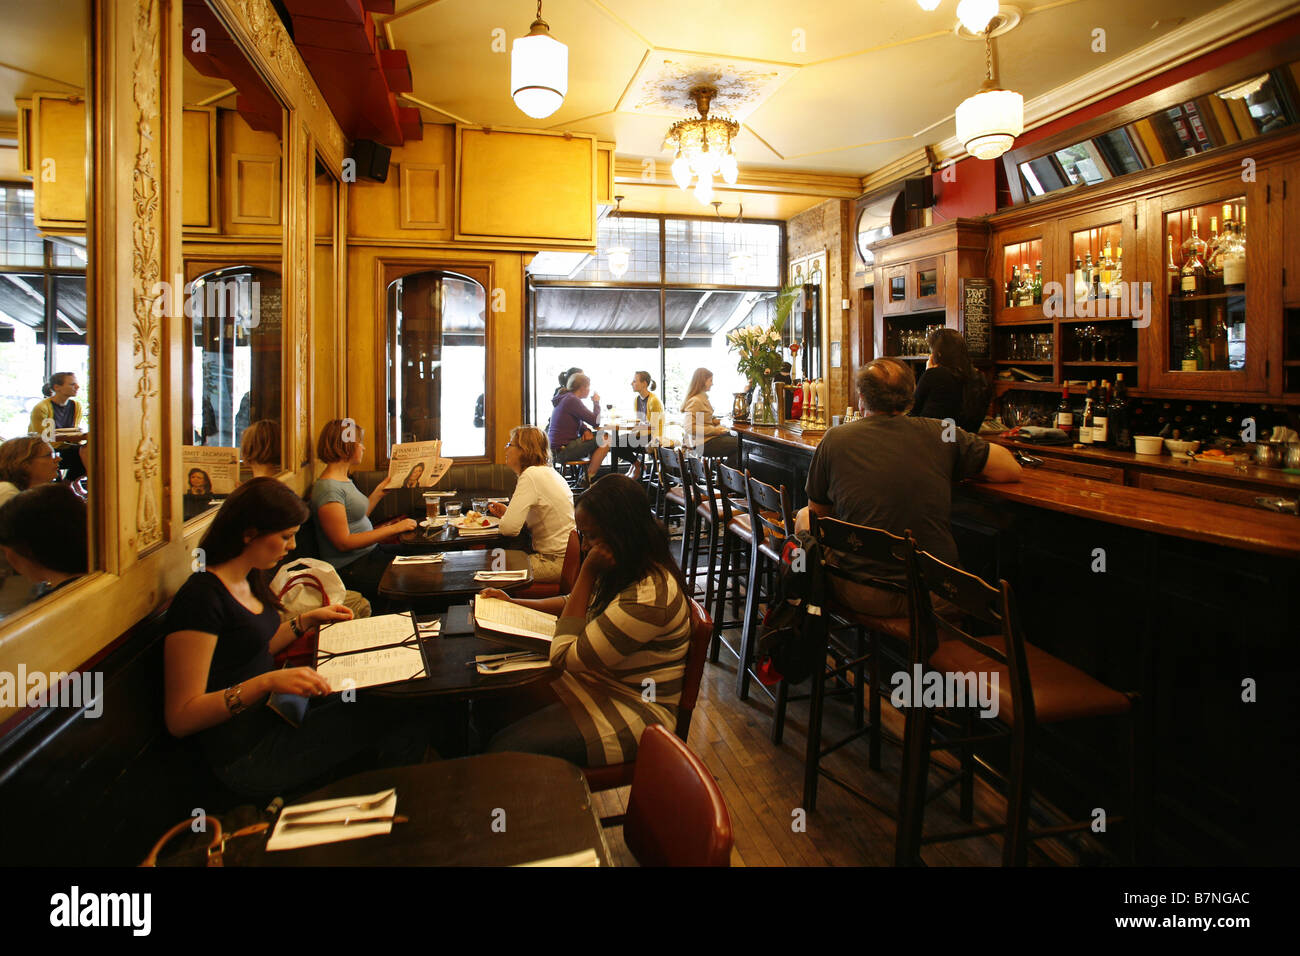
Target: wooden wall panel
[249, 177]
[422, 196]
[375, 209]
[199, 175]
[59, 162]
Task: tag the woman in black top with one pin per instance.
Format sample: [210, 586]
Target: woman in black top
[951, 387]
[223, 630]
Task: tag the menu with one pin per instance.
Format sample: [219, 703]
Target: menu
[977, 317]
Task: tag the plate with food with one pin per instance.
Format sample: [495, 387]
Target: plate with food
[437, 522]
[1215, 456]
[474, 521]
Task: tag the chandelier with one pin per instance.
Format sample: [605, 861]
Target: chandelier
[539, 70]
[703, 147]
[740, 258]
[989, 122]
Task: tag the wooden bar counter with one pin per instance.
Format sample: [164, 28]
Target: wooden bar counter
[1184, 599]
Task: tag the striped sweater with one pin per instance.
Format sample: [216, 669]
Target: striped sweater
[644, 633]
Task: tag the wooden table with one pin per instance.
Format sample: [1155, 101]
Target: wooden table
[447, 538]
[542, 802]
[451, 580]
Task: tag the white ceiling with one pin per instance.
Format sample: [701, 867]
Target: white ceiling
[43, 48]
[875, 80]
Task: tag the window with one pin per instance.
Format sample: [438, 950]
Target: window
[717, 276]
[42, 312]
[437, 362]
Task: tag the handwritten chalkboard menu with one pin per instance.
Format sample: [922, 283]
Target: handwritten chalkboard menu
[977, 317]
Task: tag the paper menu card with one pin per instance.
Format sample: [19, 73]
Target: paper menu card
[504, 617]
[370, 651]
[331, 810]
[363, 633]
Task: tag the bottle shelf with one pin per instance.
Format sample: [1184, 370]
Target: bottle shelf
[1208, 296]
[909, 358]
[1022, 361]
[1100, 364]
[1097, 318]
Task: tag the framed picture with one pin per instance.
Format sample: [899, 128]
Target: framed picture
[835, 355]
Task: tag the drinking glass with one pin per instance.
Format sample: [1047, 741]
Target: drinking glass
[453, 510]
[480, 505]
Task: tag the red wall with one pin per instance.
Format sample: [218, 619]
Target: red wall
[974, 193]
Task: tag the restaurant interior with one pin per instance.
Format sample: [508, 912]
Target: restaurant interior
[417, 218]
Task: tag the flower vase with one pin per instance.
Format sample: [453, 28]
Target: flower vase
[764, 412]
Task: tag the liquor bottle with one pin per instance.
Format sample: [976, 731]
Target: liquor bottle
[1234, 258]
[1085, 430]
[1190, 349]
[1080, 281]
[1064, 413]
[1089, 274]
[1193, 274]
[1101, 436]
[1172, 272]
[1218, 335]
[1214, 259]
[1038, 283]
[1107, 270]
[1117, 274]
[1013, 287]
[1194, 244]
[1026, 286]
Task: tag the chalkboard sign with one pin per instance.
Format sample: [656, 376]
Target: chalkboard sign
[977, 317]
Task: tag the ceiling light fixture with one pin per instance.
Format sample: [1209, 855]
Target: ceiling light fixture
[619, 255]
[976, 14]
[539, 70]
[739, 257]
[703, 147]
[989, 122]
[928, 5]
[1240, 91]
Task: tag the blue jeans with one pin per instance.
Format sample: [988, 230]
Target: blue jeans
[274, 758]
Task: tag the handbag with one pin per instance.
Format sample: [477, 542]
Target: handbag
[208, 848]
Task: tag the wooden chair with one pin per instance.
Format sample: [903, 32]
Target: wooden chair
[882, 549]
[677, 497]
[612, 776]
[568, 573]
[675, 813]
[1034, 688]
[737, 535]
[699, 473]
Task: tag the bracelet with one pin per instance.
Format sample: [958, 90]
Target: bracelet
[234, 703]
[295, 626]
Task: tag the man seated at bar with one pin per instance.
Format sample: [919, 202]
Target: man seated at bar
[894, 472]
[571, 423]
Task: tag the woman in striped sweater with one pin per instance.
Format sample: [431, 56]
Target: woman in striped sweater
[621, 641]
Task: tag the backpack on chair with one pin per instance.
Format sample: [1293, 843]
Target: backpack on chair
[791, 639]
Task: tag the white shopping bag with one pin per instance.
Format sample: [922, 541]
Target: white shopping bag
[306, 584]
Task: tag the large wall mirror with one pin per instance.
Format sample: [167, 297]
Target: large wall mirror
[234, 222]
[47, 388]
[325, 378]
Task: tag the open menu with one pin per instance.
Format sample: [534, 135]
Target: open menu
[370, 651]
[514, 625]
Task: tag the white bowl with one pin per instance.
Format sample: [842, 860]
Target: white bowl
[1181, 449]
[1148, 444]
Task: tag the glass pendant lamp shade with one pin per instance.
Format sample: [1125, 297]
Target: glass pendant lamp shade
[928, 5]
[989, 122]
[730, 170]
[682, 171]
[976, 14]
[740, 263]
[704, 189]
[539, 72]
[618, 260]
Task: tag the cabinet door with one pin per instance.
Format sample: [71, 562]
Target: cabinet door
[1015, 251]
[926, 284]
[894, 290]
[1209, 316]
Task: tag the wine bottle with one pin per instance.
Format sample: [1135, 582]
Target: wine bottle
[1089, 275]
[1038, 283]
[1080, 281]
[1085, 430]
[1101, 436]
[1026, 286]
[1013, 287]
[1064, 413]
[1219, 337]
[1172, 272]
[1190, 358]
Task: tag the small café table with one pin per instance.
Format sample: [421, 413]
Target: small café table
[491, 810]
[438, 585]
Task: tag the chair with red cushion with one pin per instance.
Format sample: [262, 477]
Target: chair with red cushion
[612, 776]
[675, 812]
[568, 573]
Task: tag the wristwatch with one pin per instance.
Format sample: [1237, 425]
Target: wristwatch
[234, 703]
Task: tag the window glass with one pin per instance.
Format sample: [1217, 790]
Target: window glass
[707, 252]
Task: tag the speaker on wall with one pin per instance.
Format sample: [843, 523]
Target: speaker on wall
[372, 160]
[918, 193]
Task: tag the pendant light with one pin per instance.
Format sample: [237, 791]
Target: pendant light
[976, 14]
[989, 122]
[620, 254]
[539, 70]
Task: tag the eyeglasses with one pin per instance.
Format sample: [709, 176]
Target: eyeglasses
[509, 444]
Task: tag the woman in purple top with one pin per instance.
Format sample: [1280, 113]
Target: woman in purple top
[571, 424]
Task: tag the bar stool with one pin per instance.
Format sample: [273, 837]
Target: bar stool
[773, 525]
[707, 518]
[737, 535]
[677, 496]
[1034, 688]
[882, 549]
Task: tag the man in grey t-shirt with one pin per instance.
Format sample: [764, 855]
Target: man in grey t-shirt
[893, 472]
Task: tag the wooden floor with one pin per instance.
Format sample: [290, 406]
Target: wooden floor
[763, 788]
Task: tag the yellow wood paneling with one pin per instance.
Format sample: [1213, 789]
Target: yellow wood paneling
[249, 174]
[59, 161]
[24, 136]
[422, 196]
[199, 207]
[503, 176]
[605, 173]
[374, 209]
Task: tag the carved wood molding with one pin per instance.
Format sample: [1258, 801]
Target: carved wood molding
[146, 268]
[255, 24]
[306, 162]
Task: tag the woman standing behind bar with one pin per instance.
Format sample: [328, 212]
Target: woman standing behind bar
[223, 630]
[348, 540]
[542, 501]
[951, 387]
[626, 621]
[699, 423]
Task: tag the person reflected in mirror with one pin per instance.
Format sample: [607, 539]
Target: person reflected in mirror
[221, 684]
[58, 416]
[571, 435]
[542, 502]
[347, 538]
[43, 536]
[627, 622]
[24, 463]
[701, 427]
[259, 447]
